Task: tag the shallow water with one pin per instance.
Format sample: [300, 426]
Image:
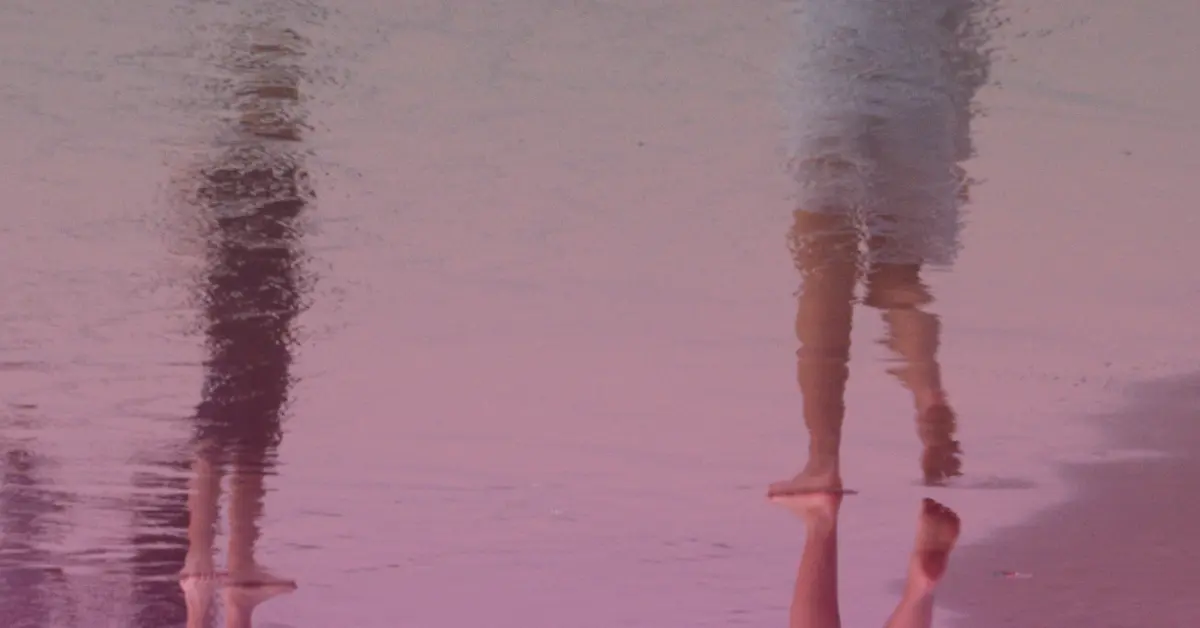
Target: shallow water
[512, 339]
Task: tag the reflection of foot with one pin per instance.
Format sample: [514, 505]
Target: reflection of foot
[937, 532]
[243, 597]
[257, 576]
[198, 592]
[807, 481]
[941, 459]
[813, 507]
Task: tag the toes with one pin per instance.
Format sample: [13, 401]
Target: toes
[946, 521]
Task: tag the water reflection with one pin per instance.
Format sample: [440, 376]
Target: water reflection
[815, 599]
[251, 196]
[27, 509]
[882, 99]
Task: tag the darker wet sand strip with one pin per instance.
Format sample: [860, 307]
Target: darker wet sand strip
[1123, 553]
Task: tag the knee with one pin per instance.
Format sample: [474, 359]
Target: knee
[896, 286]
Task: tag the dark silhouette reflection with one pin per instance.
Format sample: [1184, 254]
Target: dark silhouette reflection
[252, 197]
[815, 600]
[883, 99]
[27, 577]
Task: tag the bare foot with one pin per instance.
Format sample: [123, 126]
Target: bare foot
[940, 463]
[941, 459]
[808, 481]
[814, 508]
[257, 576]
[937, 532]
[243, 597]
[198, 592]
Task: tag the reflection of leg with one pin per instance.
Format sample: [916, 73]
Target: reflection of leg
[825, 247]
[937, 532]
[897, 289]
[198, 578]
[249, 583]
[247, 490]
[245, 507]
[814, 601]
[913, 335]
[202, 514]
[198, 592]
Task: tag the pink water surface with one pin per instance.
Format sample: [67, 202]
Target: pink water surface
[546, 366]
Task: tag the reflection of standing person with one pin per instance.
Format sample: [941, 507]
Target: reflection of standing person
[880, 106]
[254, 195]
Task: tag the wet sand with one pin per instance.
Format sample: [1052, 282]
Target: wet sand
[1123, 551]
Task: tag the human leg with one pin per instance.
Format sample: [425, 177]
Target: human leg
[913, 334]
[937, 532]
[815, 598]
[825, 250]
